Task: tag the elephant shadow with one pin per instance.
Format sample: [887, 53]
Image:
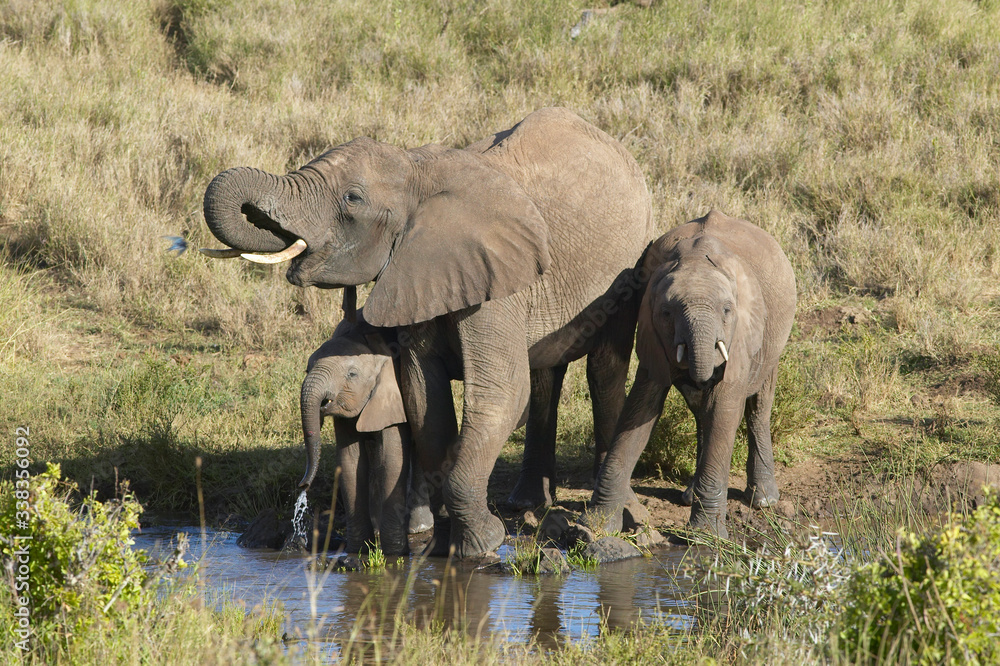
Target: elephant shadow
[673, 495]
[163, 474]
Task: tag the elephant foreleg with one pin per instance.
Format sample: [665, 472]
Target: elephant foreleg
[421, 516]
[354, 487]
[536, 484]
[717, 423]
[762, 487]
[497, 380]
[612, 490]
[389, 460]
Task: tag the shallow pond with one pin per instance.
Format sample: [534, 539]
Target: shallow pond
[552, 609]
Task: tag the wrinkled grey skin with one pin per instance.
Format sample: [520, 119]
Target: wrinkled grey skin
[513, 255]
[714, 279]
[352, 378]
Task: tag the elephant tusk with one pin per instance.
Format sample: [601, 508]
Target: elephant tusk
[680, 353]
[722, 350]
[290, 252]
[228, 253]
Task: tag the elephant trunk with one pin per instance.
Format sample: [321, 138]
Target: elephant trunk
[702, 358]
[698, 332]
[312, 422]
[243, 207]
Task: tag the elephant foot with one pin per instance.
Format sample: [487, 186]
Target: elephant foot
[603, 518]
[763, 494]
[421, 519]
[687, 497]
[711, 521]
[485, 536]
[530, 494]
[393, 548]
[439, 544]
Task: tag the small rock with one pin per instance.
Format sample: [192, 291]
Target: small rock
[635, 516]
[552, 561]
[785, 508]
[488, 559]
[579, 533]
[295, 543]
[529, 518]
[554, 524]
[649, 538]
[611, 549]
[266, 531]
[495, 568]
[345, 563]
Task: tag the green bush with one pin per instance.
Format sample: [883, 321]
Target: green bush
[935, 600]
[81, 565]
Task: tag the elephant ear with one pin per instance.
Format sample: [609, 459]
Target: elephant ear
[748, 332]
[476, 236]
[649, 345]
[385, 406]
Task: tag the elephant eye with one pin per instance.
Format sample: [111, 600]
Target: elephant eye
[352, 373]
[353, 197]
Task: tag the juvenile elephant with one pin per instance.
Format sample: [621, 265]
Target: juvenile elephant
[500, 261]
[352, 378]
[714, 319]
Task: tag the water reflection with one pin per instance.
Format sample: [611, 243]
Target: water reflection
[362, 604]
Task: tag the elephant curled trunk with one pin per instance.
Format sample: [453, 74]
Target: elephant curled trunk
[241, 206]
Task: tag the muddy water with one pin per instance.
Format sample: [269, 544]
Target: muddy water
[552, 609]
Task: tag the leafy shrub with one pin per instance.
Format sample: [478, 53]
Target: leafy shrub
[81, 564]
[790, 594]
[935, 600]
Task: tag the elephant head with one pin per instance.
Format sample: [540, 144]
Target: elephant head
[438, 229]
[701, 312]
[346, 378]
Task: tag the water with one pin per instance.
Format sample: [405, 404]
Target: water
[300, 519]
[553, 609]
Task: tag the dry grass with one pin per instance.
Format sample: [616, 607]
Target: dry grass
[863, 136]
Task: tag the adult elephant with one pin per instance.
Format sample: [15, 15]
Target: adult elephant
[499, 263]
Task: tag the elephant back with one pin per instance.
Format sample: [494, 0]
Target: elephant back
[591, 194]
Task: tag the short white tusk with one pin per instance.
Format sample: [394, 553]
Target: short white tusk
[290, 252]
[722, 350]
[228, 253]
[680, 353]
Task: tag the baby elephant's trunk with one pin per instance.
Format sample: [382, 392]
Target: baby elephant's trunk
[312, 422]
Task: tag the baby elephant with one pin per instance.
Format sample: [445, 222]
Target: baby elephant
[715, 317]
[352, 377]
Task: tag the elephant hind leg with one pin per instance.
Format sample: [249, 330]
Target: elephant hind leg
[430, 412]
[536, 484]
[762, 487]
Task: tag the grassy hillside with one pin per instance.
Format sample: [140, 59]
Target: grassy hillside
[864, 136]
